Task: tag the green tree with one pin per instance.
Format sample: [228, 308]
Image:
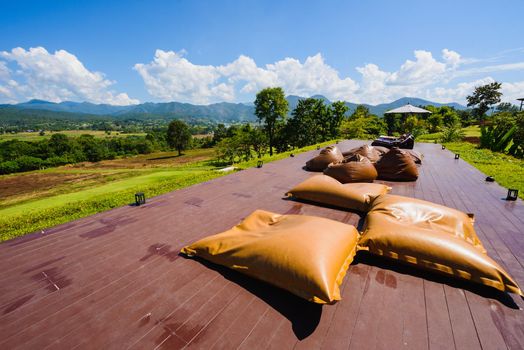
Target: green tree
[219, 133]
[507, 107]
[178, 135]
[483, 98]
[59, 144]
[271, 108]
[336, 115]
[302, 128]
[362, 125]
[434, 122]
[414, 125]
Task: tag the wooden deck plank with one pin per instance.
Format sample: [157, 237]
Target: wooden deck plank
[122, 284]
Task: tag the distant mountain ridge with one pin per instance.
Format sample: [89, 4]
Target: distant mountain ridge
[220, 112]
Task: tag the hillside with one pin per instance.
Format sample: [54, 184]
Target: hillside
[223, 112]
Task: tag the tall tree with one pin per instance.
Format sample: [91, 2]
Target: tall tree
[178, 135]
[336, 116]
[302, 129]
[271, 108]
[483, 98]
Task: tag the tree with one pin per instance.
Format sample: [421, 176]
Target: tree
[507, 107]
[178, 135]
[271, 108]
[414, 126]
[362, 125]
[336, 115]
[483, 98]
[302, 129]
[219, 133]
[435, 122]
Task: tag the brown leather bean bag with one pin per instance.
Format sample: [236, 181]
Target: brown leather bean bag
[366, 151]
[306, 255]
[352, 169]
[416, 156]
[396, 165]
[330, 154]
[326, 190]
[381, 149]
[431, 237]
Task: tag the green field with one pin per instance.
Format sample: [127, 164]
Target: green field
[470, 131]
[508, 171]
[35, 136]
[36, 200]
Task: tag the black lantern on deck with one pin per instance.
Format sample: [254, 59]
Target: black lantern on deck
[457, 156]
[140, 198]
[443, 147]
[512, 194]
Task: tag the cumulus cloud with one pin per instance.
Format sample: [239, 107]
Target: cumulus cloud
[55, 77]
[170, 76]
[425, 70]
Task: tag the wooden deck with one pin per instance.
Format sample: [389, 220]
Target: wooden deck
[115, 280]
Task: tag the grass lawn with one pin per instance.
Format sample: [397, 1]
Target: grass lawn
[37, 200]
[508, 171]
[469, 131]
[35, 136]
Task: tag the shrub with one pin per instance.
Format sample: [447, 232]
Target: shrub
[452, 133]
[9, 167]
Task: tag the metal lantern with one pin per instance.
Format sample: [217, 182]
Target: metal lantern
[512, 194]
[457, 156]
[140, 198]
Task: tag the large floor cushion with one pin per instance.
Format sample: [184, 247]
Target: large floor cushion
[367, 151]
[415, 155]
[330, 154]
[326, 190]
[352, 169]
[306, 255]
[429, 238]
[396, 165]
[425, 215]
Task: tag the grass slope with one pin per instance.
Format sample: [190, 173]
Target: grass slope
[35, 136]
[42, 209]
[508, 171]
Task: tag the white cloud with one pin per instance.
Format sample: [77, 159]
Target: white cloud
[458, 92]
[451, 58]
[170, 76]
[425, 70]
[512, 91]
[56, 77]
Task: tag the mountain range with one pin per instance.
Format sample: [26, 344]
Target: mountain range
[220, 112]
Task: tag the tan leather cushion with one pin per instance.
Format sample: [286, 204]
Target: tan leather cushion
[327, 190]
[431, 237]
[328, 155]
[367, 151]
[306, 255]
[396, 165]
[352, 169]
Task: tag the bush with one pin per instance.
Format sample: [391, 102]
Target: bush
[9, 167]
[452, 133]
[27, 163]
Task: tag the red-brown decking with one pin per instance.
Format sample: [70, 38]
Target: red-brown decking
[115, 280]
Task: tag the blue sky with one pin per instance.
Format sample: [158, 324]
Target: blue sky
[124, 52]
